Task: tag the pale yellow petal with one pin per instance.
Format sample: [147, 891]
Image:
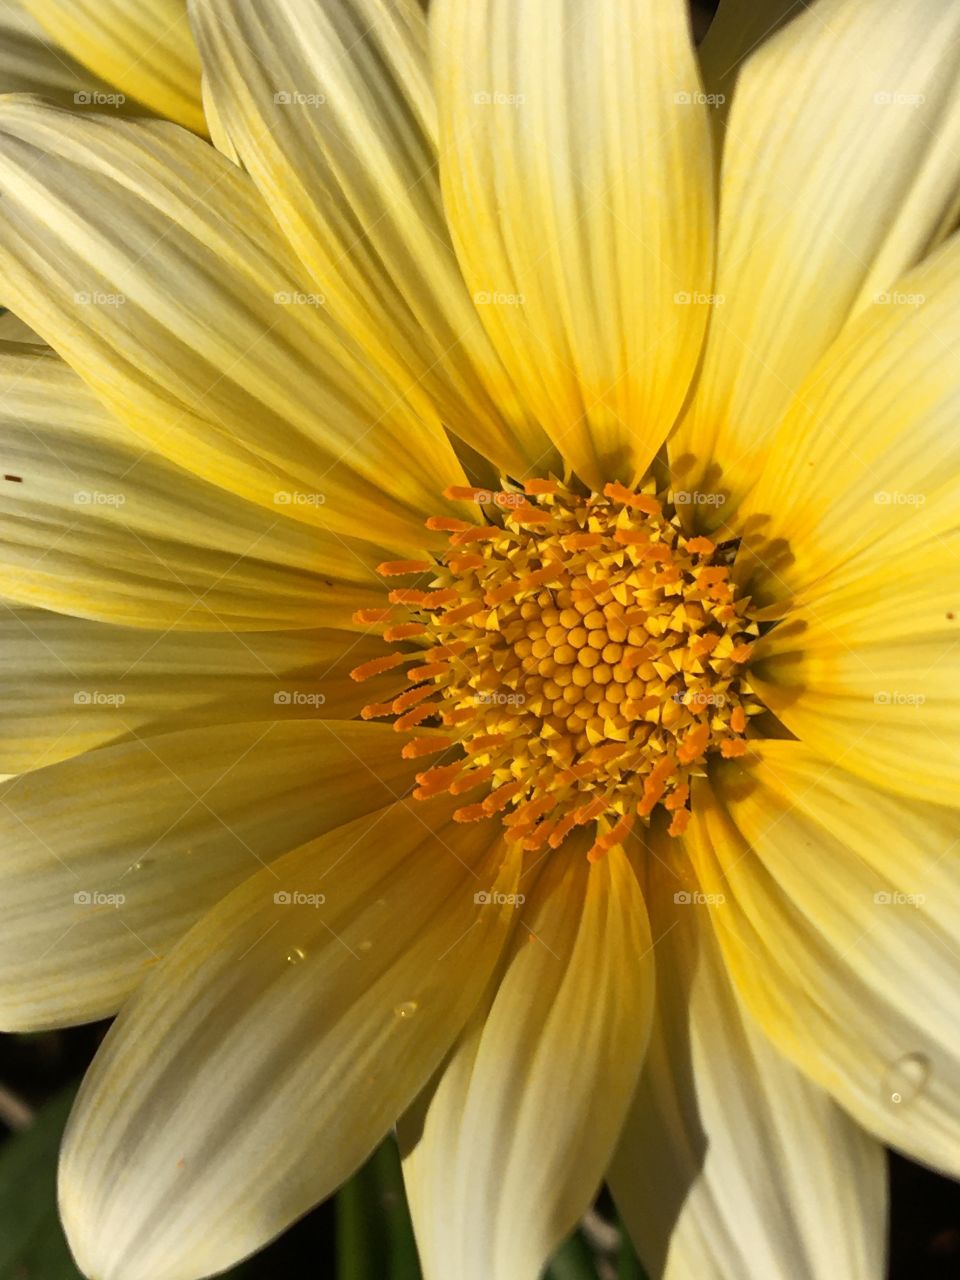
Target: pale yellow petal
[868, 673]
[507, 1153]
[577, 175]
[841, 160]
[170, 823]
[94, 523]
[839, 930]
[149, 261]
[732, 1165]
[144, 49]
[273, 1049]
[330, 108]
[32, 61]
[68, 685]
[865, 469]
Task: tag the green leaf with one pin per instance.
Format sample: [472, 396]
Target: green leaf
[32, 1244]
[573, 1261]
[628, 1264]
[374, 1233]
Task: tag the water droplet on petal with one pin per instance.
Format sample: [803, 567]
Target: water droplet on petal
[295, 955]
[906, 1079]
[407, 1009]
[365, 945]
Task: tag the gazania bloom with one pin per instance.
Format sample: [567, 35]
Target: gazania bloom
[484, 621]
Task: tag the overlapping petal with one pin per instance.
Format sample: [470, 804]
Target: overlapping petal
[149, 261]
[577, 178]
[840, 935]
[94, 523]
[841, 164]
[143, 49]
[507, 1152]
[170, 822]
[330, 108]
[278, 1042]
[733, 1165]
[68, 685]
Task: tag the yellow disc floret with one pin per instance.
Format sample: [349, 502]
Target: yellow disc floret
[583, 654]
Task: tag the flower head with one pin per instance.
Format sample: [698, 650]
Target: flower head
[486, 615]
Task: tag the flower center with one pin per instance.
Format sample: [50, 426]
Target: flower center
[583, 656]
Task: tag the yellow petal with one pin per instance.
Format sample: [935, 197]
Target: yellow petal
[576, 170]
[94, 524]
[864, 470]
[144, 49]
[31, 63]
[829, 192]
[732, 1163]
[509, 1150]
[170, 823]
[149, 261]
[68, 685]
[275, 1046]
[839, 929]
[867, 674]
[331, 110]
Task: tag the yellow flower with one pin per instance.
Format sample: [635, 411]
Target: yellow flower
[108, 55]
[691, 475]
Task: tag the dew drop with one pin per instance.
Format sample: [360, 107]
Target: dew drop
[295, 955]
[365, 945]
[906, 1079]
[407, 1009]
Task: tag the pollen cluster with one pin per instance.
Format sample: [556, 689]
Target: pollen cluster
[573, 657]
